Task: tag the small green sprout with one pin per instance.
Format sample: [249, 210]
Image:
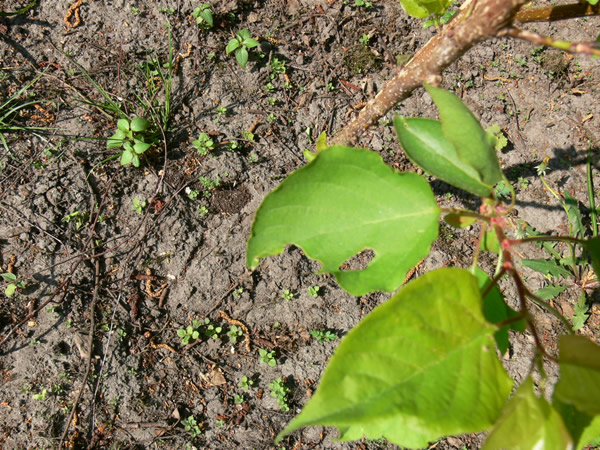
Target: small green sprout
[189, 333]
[221, 110]
[204, 144]
[138, 206]
[238, 399]
[313, 291]
[42, 395]
[277, 67]
[323, 336]
[279, 391]
[248, 135]
[238, 293]
[287, 295]
[271, 118]
[272, 101]
[203, 16]
[191, 426]
[11, 288]
[267, 357]
[245, 383]
[135, 137]
[269, 87]
[77, 218]
[202, 210]
[211, 331]
[240, 46]
[364, 39]
[233, 334]
[361, 3]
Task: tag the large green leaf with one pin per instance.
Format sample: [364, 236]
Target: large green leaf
[579, 383]
[584, 429]
[547, 267]
[529, 422]
[473, 145]
[420, 366]
[427, 147]
[345, 201]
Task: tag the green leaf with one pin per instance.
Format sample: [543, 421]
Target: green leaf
[593, 247]
[550, 292]
[490, 242]
[126, 157]
[574, 216]
[250, 43]
[584, 429]
[139, 124]
[232, 46]
[547, 267]
[581, 309]
[579, 383]
[116, 140]
[243, 34]
[529, 422]
[123, 125]
[423, 8]
[207, 16]
[10, 290]
[241, 55]
[343, 202]
[420, 366]
[426, 146]
[135, 161]
[473, 145]
[321, 142]
[10, 277]
[458, 220]
[140, 147]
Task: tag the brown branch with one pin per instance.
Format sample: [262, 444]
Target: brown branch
[586, 48]
[559, 12]
[477, 20]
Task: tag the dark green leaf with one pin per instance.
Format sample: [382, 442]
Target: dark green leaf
[426, 146]
[579, 383]
[420, 366]
[123, 125]
[547, 267]
[10, 277]
[140, 147]
[343, 202]
[232, 46]
[126, 157]
[473, 145]
[116, 140]
[529, 422]
[550, 292]
[583, 428]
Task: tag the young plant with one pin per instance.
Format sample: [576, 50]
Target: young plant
[313, 291]
[245, 383]
[240, 46]
[204, 144]
[190, 333]
[234, 334]
[13, 283]
[279, 391]
[323, 336]
[425, 363]
[191, 426]
[267, 357]
[287, 295]
[138, 206]
[203, 16]
[135, 137]
[211, 331]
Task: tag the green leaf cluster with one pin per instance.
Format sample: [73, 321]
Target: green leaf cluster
[240, 46]
[203, 16]
[134, 137]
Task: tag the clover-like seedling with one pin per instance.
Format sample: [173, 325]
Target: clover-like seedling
[138, 206]
[267, 357]
[323, 336]
[279, 391]
[240, 46]
[211, 330]
[203, 16]
[233, 334]
[245, 383]
[313, 291]
[287, 295]
[134, 137]
[204, 144]
[189, 333]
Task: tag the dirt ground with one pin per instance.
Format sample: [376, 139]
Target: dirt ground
[181, 257]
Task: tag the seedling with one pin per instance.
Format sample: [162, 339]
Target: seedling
[267, 357]
[323, 336]
[287, 295]
[313, 291]
[364, 39]
[135, 137]
[240, 46]
[13, 284]
[209, 185]
[204, 144]
[248, 135]
[191, 426]
[211, 331]
[190, 333]
[42, 395]
[221, 110]
[362, 3]
[277, 67]
[202, 211]
[279, 391]
[234, 334]
[245, 383]
[238, 399]
[238, 293]
[138, 206]
[271, 118]
[77, 218]
[203, 16]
